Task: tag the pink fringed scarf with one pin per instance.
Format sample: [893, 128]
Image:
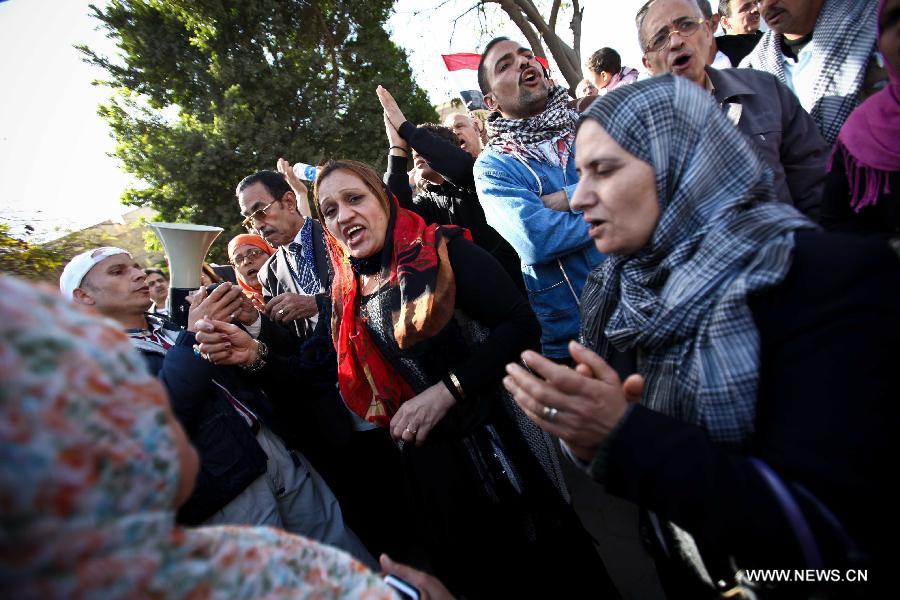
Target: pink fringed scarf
[869, 141]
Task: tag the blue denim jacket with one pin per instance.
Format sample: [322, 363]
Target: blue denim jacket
[556, 252]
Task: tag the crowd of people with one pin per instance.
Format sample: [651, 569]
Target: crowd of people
[687, 287]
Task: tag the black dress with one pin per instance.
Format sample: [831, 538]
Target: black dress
[494, 522]
[827, 422]
[881, 219]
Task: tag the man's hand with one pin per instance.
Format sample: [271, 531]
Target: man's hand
[556, 201]
[430, 588]
[391, 110]
[399, 147]
[288, 307]
[223, 304]
[299, 188]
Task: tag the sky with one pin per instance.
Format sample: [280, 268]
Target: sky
[55, 170]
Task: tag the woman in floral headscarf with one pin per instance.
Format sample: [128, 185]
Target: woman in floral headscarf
[92, 466]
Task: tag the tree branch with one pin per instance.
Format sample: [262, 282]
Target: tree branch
[575, 26]
[554, 13]
[511, 8]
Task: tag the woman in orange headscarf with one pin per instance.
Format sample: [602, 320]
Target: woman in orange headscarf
[247, 254]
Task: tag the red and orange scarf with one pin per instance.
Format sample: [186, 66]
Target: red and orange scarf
[415, 259]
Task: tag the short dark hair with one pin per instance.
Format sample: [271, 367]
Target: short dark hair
[442, 132]
[149, 272]
[482, 73]
[273, 181]
[605, 60]
[725, 8]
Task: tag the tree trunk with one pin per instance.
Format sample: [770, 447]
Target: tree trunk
[531, 23]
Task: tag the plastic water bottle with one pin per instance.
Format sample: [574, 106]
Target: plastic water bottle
[305, 172]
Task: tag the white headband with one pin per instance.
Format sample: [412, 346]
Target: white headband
[79, 266]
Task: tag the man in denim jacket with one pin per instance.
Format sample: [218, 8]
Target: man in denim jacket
[524, 179]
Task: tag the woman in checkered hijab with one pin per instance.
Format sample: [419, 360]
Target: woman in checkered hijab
[762, 352]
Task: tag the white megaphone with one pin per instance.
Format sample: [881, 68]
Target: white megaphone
[186, 246]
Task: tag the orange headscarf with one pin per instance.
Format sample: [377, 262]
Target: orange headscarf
[253, 292]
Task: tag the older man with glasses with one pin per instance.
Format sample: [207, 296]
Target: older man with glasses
[296, 280]
[676, 39]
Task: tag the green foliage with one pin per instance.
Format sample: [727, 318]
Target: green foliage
[209, 91]
[44, 262]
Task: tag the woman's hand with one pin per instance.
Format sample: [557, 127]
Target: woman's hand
[225, 344]
[580, 406]
[248, 314]
[418, 416]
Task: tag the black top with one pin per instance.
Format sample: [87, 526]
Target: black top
[827, 420]
[737, 46]
[485, 294]
[792, 48]
[880, 219]
[454, 202]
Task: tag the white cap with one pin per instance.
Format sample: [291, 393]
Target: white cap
[79, 266]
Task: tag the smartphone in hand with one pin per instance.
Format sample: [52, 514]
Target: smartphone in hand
[406, 590]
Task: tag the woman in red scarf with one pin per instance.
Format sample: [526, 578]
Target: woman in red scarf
[247, 253]
[408, 303]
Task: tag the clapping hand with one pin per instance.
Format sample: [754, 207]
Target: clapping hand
[581, 405]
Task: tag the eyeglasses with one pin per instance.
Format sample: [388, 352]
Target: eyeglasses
[259, 213]
[251, 254]
[684, 27]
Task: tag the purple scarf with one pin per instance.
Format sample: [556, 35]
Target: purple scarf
[868, 140]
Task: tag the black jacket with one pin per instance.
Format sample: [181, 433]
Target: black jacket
[827, 423]
[275, 278]
[230, 457]
[455, 202]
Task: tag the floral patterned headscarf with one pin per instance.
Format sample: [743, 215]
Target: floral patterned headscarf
[89, 473]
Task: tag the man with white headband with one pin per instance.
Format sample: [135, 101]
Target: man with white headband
[247, 475]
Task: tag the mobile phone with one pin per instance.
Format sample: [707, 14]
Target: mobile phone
[211, 287]
[405, 588]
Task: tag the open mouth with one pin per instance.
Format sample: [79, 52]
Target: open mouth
[462, 145]
[681, 61]
[529, 75]
[594, 226]
[252, 272]
[353, 234]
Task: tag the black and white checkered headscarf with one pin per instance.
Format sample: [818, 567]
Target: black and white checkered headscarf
[721, 236]
[842, 44]
[522, 136]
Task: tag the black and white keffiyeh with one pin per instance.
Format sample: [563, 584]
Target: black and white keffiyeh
[721, 236]
[523, 136]
[842, 44]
